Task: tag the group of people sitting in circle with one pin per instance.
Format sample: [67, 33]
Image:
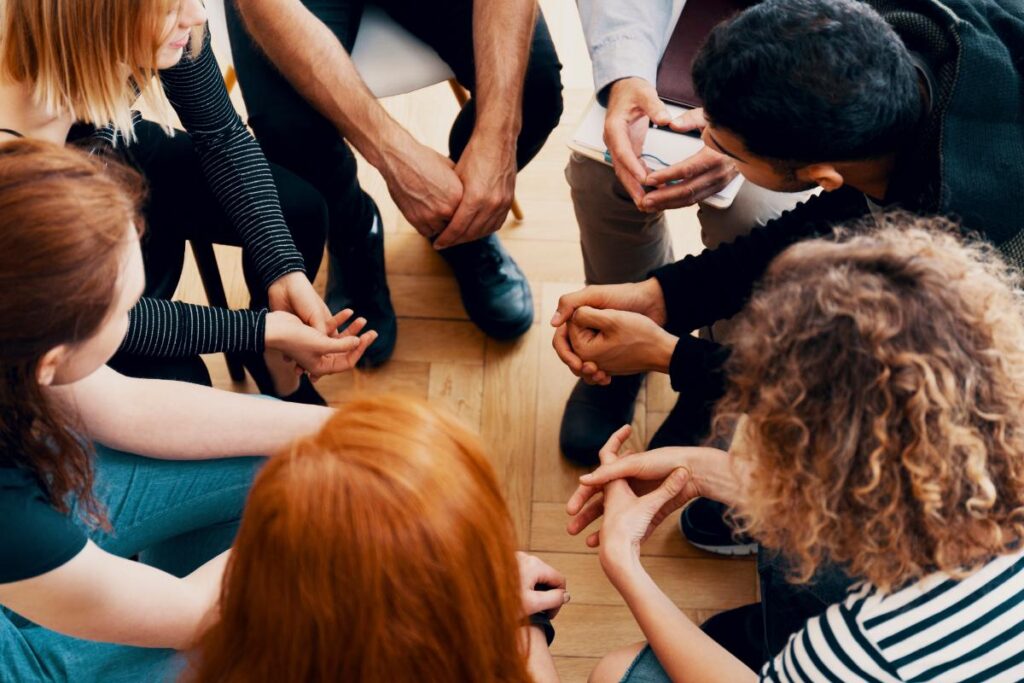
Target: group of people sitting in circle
[852, 409]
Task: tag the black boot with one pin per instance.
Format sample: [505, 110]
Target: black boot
[494, 291]
[593, 413]
[356, 279]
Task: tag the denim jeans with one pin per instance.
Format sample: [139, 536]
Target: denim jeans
[173, 514]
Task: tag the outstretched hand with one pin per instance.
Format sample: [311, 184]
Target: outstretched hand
[315, 352]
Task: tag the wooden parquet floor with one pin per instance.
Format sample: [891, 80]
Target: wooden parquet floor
[513, 393]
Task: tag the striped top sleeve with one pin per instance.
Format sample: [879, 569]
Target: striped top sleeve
[233, 163]
[937, 629]
[157, 327]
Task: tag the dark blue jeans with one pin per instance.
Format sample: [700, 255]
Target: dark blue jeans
[173, 514]
[294, 135]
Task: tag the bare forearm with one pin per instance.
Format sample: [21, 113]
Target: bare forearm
[540, 664]
[502, 33]
[320, 69]
[175, 420]
[684, 651]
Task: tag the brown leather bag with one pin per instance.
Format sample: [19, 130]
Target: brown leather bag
[675, 78]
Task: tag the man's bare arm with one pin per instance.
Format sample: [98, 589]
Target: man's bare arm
[502, 34]
[314, 61]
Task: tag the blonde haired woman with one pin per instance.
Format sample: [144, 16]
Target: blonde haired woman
[85, 62]
[881, 382]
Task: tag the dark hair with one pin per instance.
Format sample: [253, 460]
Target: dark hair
[63, 217]
[810, 81]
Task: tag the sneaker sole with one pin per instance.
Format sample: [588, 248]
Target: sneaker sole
[731, 550]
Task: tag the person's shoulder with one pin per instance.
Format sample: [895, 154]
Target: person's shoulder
[36, 537]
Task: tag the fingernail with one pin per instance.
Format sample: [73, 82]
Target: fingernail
[586, 478]
[566, 597]
[554, 319]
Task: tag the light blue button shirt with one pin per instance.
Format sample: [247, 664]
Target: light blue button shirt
[627, 37]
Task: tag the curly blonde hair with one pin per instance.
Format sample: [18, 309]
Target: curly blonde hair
[881, 376]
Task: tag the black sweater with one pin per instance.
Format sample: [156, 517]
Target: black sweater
[967, 161]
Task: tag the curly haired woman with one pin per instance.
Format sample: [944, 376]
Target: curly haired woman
[880, 380]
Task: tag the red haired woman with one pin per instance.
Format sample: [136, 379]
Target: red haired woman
[380, 549]
[72, 511]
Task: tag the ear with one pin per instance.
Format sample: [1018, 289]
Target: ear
[824, 175]
[49, 364]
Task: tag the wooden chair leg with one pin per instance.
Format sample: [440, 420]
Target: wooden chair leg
[209, 273]
[462, 96]
[230, 78]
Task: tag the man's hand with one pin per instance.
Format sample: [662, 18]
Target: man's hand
[691, 180]
[423, 184]
[313, 351]
[644, 297]
[619, 342]
[293, 293]
[632, 104]
[487, 170]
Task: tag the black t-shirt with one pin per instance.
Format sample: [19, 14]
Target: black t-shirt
[34, 537]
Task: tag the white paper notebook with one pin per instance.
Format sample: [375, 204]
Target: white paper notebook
[664, 145]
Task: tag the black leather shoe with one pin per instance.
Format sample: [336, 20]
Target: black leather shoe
[494, 291]
[592, 414]
[356, 279]
[703, 524]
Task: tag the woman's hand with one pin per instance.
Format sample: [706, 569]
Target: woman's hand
[632, 508]
[313, 351]
[534, 572]
[293, 293]
[643, 472]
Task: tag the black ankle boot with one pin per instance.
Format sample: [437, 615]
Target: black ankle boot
[356, 279]
[494, 290]
[593, 413]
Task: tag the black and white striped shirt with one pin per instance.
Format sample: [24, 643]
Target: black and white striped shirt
[937, 629]
[239, 177]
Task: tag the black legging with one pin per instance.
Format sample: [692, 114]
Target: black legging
[294, 135]
[181, 207]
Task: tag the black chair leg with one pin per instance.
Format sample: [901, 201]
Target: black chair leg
[209, 273]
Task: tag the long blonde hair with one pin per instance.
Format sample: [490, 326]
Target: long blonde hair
[87, 57]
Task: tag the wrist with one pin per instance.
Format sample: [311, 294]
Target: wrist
[662, 351]
[621, 563]
[655, 300]
[394, 149]
[275, 323]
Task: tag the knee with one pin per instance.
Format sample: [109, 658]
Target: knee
[542, 100]
[613, 666]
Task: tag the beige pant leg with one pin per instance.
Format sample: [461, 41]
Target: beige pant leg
[619, 242]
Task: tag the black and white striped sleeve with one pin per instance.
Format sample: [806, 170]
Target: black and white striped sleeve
[233, 163]
[168, 329]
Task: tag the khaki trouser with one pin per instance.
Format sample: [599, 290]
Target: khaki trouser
[622, 244]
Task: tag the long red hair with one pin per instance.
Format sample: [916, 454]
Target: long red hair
[379, 549]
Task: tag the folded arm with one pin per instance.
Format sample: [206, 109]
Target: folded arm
[175, 420]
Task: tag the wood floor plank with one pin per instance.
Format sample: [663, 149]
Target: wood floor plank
[595, 630]
[439, 341]
[426, 296]
[459, 388]
[508, 419]
[547, 533]
[696, 584]
[398, 376]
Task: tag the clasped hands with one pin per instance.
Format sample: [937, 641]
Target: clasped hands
[606, 330]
